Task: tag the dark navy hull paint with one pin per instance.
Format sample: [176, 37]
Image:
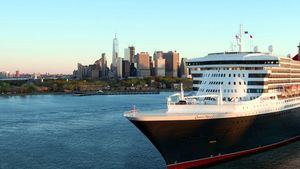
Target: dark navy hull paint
[181, 141]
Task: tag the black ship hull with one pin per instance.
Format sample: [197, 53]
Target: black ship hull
[190, 143]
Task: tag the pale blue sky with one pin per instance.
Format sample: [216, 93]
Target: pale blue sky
[52, 36]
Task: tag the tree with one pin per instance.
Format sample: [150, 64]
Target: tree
[28, 88]
[4, 87]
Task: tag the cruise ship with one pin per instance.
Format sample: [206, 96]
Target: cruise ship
[244, 102]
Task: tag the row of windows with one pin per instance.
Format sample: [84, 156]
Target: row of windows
[197, 81]
[231, 90]
[197, 75]
[229, 68]
[215, 83]
[218, 75]
[251, 75]
[233, 62]
[232, 99]
[258, 75]
[240, 83]
[258, 83]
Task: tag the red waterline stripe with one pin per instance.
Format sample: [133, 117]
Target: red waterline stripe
[215, 159]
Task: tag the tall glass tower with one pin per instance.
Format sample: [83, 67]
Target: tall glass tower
[115, 52]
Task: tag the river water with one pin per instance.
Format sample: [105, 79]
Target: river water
[64, 131]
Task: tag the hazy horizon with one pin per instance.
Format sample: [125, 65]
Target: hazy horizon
[38, 36]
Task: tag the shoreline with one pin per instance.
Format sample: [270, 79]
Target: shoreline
[91, 93]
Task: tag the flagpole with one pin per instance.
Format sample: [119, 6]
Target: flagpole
[251, 44]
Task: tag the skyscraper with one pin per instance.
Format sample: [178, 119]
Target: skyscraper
[183, 71]
[119, 68]
[143, 65]
[172, 63]
[127, 54]
[104, 72]
[125, 68]
[115, 52]
[131, 53]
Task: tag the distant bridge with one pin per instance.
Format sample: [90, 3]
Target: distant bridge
[15, 79]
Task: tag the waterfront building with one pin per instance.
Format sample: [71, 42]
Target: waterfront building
[104, 69]
[4, 74]
[183, 69]
[98, 70]
[131, 54]
[119, 68]
[115, 51]
[125, 68]
[158, 54]
[17, 73]
[82, 71]
[172, 63]
[152, 70]
[133, 69]
[143, 65]
[160, 66]
[95, 71]
[126, 54]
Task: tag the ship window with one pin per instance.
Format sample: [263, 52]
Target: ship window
[233, 75]
[235, 90]
[239, 75]
[243, 75]
[228, 83]
[229, 75]
[256, 83]
[244, 82]
[234, 83]
[240, 83]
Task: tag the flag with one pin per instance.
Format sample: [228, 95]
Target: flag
[250, 36]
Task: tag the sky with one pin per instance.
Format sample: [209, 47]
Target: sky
[53, 36]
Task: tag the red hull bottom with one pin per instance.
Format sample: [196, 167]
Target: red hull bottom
[220, 158]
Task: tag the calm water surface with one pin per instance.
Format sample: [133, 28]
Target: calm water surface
[63, 131]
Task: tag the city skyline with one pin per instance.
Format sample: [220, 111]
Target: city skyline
[54, 36]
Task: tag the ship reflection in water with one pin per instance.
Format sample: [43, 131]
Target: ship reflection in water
[91, 132]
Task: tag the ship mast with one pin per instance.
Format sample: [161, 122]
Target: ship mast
[181, 92]
[239, 38]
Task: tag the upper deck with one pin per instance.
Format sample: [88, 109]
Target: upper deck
[234, 59]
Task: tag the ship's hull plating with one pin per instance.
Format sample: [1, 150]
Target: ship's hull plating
[202, 142]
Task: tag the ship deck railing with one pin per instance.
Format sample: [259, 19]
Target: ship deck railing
[131, 113]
